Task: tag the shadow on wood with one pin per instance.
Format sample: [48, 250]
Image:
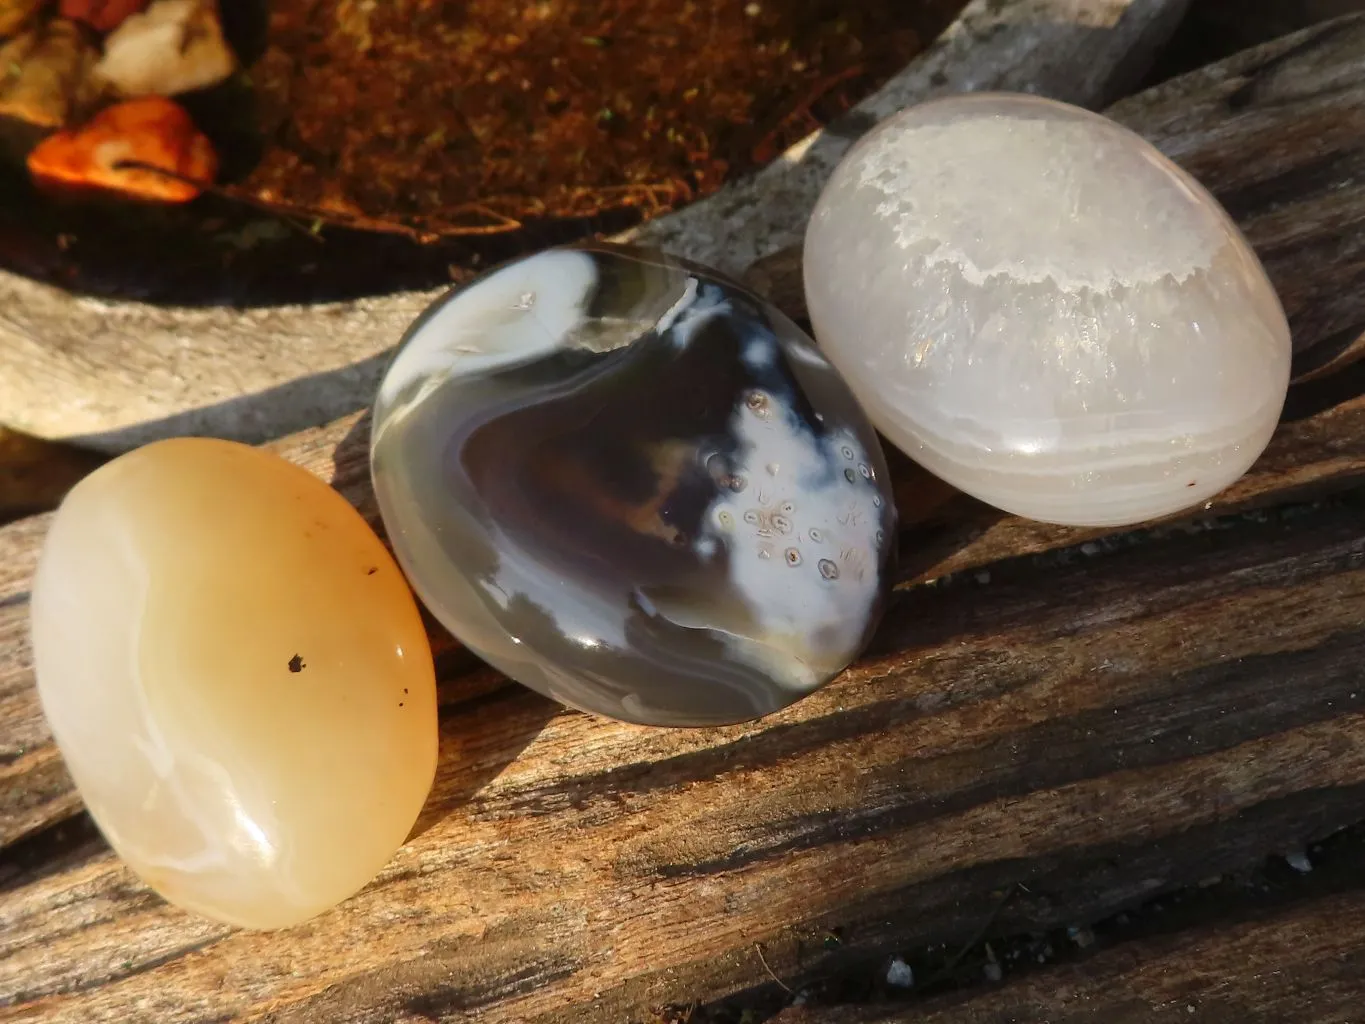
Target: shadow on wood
[36, 474]
[1291, 956]
[486, 720]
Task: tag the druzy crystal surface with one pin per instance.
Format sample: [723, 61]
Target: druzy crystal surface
[1039, 307]
[633, 486]
[237, 676]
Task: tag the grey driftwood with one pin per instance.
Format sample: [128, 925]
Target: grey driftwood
[116, 374]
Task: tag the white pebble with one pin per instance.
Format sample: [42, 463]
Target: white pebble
[1298, 860]
[1032, 300]
[172, 47]
[899, 974]
[1083, 937]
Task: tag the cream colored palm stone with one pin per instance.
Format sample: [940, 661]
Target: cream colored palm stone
[1042, 309]
[237, 676]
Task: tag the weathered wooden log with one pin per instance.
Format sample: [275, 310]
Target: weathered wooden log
[116, 374]
[1303, 963]
[1097, 727]
[1097, 718]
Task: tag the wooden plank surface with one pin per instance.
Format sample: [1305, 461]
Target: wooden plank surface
[1300, 965]
[1099, 717]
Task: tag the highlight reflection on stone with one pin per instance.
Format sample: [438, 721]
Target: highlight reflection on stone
[1039, 307]
[635, 487]
[237, 676]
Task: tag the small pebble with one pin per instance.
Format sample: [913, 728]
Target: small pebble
[1082, 937]
[993, 971]
[45, 74]
[899, 974]
[1298, 860]
[174, 46]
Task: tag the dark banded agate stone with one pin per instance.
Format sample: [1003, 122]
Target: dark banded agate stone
[634, 486]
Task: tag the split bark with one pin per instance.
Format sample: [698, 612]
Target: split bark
[1302, 963]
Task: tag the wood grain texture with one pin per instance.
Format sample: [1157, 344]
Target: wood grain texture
[117, 374]
[1099, 717]
[1302, 964]
[1098, 727]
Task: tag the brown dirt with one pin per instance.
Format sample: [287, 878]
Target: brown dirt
[373, 145]
[481, 116]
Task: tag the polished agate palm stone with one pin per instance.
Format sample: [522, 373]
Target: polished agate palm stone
[633, 486]
[1038, 306]
[238, 678]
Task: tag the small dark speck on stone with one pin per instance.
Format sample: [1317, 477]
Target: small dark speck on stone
[296, 663]
[1191, 483]
[400, 703]
[372, 570]
[405, 689]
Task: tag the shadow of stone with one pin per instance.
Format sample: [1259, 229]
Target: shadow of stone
[36, 474]
[486, 719]
[1311, 397]
[262, 416]
[48, 851]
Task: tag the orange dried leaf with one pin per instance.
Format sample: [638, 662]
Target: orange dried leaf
[152, 132]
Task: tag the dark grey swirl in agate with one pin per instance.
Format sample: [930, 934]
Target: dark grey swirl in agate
[634, 486]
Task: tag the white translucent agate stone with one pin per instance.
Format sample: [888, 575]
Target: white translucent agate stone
[1039, 307]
